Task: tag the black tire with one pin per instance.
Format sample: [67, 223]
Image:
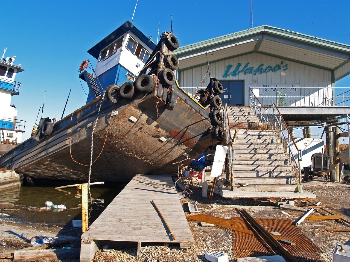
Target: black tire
[171, 42]
[171, 62]
[127, 90]
[216, 102]
[216, 117]
[145, 83]
[218, 88]
[166, 77]
[47, 128]
[218, 133]
[113, 93]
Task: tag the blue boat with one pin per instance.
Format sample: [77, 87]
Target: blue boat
[137, 120]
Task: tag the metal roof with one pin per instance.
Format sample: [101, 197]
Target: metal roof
[4, 63]
[127, 26]
[271, 41]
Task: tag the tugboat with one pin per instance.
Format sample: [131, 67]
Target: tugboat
[137, 120]
[11, 129]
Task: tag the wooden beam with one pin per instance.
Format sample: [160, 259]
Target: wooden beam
[84, 207]
[218, 221]
[325, 217]
[339, 230]
[51, 254]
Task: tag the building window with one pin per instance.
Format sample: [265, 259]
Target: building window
[137, 49]
[3, 70]
[111, 49]
[10, 73]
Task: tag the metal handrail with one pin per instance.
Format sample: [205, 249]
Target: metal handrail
[12, 124]
[229, 143]
[293, 150]
[277, 121]
[257, 109]
[323, 96]
[14, 87]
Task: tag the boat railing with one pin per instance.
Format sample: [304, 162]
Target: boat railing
[275, 120]
[14, 87]
[12, 124]
[302, 96]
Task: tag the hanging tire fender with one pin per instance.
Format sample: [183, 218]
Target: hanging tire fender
[216, 102]
[127, 90]
[171, 42]
[113, 93]
[218, 133]
[145, 83]
[166, 77]
[216, 117]
[218, 88]
[47, 128]
[171, 62]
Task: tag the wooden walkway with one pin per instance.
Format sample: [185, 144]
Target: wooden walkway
[131, 217]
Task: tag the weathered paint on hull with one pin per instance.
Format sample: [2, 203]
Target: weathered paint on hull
[123, 147]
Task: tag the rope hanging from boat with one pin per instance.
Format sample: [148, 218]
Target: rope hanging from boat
[208, 72]
[70, 150]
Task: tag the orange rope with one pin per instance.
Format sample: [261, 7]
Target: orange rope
[70, 150]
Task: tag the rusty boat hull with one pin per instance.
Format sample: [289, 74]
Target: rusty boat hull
[129, 138]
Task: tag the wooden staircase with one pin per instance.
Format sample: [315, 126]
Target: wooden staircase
[261, 167]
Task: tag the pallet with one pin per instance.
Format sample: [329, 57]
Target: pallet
[131, 217]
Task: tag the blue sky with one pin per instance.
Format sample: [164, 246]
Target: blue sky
[51, 38]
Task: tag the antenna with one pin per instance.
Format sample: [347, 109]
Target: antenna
[158, 32]
[66, 103]
[3, 55]
[42, 108]
[171, 24]
[251, 13]
[132, 19]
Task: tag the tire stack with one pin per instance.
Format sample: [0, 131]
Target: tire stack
[156, 77]
[214, 90]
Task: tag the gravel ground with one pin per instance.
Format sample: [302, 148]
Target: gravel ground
[334, 198]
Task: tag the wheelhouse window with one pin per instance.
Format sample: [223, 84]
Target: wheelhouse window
[3, 70]
[137, 49]
[131, 46]
[111, 49]
[10, 73]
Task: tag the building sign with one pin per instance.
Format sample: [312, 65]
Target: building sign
[261, 69]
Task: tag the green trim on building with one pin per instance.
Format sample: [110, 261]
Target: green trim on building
[264, 29]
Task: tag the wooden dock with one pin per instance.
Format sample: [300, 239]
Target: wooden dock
[132, 217]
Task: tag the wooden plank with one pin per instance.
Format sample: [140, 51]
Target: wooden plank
[51, 254]
[339, 230]
[329, 217]
[222, 222]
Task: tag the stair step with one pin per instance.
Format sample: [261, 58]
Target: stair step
[258, 146]
[259, 168]
[270, 181]
[265, 187]
[260, 162]
[250, 156]
[256, 140]
[259, 151]
[289, 195]
[257, 132]
[263, 174]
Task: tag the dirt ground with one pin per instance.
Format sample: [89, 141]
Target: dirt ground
[334, 198]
